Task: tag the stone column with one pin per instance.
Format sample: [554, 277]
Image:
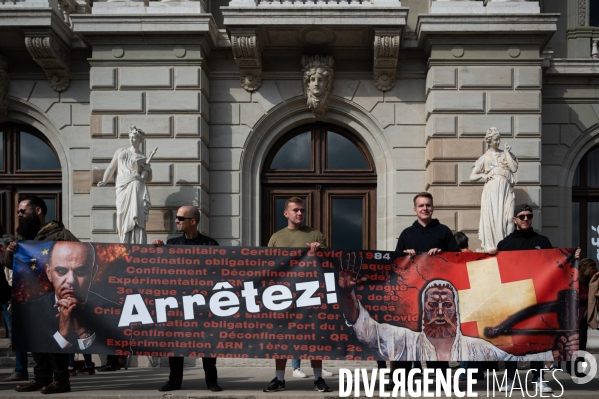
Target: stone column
[473, 83]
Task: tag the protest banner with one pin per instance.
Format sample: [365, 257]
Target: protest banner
[253, 302]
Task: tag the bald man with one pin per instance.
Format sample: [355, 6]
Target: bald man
[187, 221]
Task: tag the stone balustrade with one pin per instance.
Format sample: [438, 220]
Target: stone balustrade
[300, 3]
[595, 49]
[484, 7]
[107, 7]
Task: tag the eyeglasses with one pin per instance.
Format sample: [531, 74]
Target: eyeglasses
[522, 217]
[182, 218]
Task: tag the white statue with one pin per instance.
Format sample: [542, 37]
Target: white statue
[318, 81]
[132, 196]
[496, 168]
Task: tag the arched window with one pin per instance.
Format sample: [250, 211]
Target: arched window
[335, 175]
[28, 166]
[585, 205]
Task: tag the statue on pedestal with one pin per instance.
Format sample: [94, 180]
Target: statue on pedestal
[496, 168]
[132, 196]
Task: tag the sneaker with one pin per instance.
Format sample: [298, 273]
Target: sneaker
[72, 371]
[321, 386]
[507, 387]
[543, 387]
[326, 373]
[15, 377]
[299, 373]
[275, 385]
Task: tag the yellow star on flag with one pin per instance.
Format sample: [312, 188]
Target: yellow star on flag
[45, 251]
[33, 267]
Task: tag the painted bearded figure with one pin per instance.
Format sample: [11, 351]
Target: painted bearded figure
[440, 338]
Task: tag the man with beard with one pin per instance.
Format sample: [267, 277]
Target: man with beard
[51, 369]
[441, 337]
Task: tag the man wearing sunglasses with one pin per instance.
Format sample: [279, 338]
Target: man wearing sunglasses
[523, 238]
[187, 220]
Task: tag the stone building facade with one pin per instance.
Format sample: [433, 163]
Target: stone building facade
[217, 85]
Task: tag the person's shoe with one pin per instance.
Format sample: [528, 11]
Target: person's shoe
[169, 386]
[543, 387]
[31, 387]
[321, 386]
[507, 387]
[56, 387]
[72, 371]
[462, 377]
[299, 373]
[109, 367]
[326, 373]
[87, 370]
[214, 387]
[15, 377]
[275, 385]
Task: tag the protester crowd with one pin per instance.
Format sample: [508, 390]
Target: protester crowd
[52, 371]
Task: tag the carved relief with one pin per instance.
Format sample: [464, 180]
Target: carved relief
[318, 81]
[248, 58]
[582, 12]
[54, 57]
[3, 87]
[386, 51]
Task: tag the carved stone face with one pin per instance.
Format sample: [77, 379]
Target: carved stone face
[135, 138]
[317, 84]
[495, 141]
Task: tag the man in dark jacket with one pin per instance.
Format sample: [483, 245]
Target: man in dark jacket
[524, 237]
[187, 220]
[51, 369]
[425, 236]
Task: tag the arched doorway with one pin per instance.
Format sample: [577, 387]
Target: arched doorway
[28, 166]
[334, 173]
[585, 205]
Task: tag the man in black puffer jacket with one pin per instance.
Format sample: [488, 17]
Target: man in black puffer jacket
[428, 236]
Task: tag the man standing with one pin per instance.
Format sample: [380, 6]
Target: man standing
[187, 220]
[51, 369]
[524, 237]
[425, 236]
[296, 235]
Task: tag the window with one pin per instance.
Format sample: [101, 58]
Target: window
[334, 173]
[594, 13]
[28, 166]
[585, 205]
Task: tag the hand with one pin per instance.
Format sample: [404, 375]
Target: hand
[349, 279]
[577, 253]
[101, 183]
[507, 147]
[434, 251]
[157, 243]
[566, 346]
[410, 252]
[11, 247]
[492, 251]
[146, 167]
[314, 246]
[68, 308]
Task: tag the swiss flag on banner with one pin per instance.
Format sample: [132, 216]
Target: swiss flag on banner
[524, 293]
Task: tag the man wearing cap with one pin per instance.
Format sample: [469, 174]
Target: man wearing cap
[524, 237]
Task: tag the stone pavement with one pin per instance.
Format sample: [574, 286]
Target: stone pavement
[238, 382]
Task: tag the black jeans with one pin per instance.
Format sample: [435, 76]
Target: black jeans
[51, 367]
[176, 366]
